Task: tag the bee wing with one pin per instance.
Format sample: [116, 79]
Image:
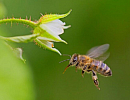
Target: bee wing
[103, 57]
[98, 52]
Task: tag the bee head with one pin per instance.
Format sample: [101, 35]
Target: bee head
[74, 59]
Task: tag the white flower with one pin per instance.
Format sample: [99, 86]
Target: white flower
[49, 28]
[55, 28]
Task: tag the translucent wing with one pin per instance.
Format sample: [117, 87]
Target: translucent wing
[103, 57]
[99, 52]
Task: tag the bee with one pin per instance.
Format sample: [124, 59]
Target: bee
[92, 62]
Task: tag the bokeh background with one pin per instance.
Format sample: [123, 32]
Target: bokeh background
[93, 22]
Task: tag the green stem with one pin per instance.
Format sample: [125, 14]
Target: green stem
[23, 21]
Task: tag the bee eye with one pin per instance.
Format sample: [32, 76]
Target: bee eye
[75, 59]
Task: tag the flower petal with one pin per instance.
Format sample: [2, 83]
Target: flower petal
[47, 45]
[57, 21]
[54, 27]
[49, 39]
[47, 36]
[65, 27]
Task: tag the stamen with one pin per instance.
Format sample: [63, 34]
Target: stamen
[52, 45]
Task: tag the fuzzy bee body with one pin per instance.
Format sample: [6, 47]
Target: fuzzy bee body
[92, 62]
[88, 64]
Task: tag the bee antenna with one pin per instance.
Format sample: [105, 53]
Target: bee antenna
[66, 55]
[64, 60]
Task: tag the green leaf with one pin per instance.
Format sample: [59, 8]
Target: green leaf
[15, 77]
[2, 10]
[21, 39]
[50, 17]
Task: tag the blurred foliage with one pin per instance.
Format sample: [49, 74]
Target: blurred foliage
[93, 23]
[2, 10]
[16, 82]
[15, 77]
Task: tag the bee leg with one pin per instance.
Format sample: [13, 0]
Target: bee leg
[82, 73]
[94, 77]
[76, 66]
[89, 70]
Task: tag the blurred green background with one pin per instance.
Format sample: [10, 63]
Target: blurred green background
[94, 22]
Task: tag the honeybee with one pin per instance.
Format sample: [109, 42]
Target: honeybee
[92, 62]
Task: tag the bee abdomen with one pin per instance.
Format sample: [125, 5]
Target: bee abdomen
[105, 70]
[102, 68]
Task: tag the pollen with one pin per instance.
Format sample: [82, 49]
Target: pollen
[52, 45]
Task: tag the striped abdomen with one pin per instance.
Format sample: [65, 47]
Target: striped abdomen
[101, 68]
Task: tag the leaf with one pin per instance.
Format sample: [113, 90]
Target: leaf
[50, 17]
[21, 39]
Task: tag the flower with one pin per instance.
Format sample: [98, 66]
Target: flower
[46, 31]
[55, 28]
[49, 28]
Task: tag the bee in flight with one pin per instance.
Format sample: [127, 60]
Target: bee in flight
[92, 62]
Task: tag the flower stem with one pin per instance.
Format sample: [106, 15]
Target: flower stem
[16, 20]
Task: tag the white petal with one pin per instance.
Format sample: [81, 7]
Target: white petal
[58, 22]
[47, 43]
[44, 38]
[55, 27]
[50, 45]
[65, 27]
[48, 39]
[56, 51]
